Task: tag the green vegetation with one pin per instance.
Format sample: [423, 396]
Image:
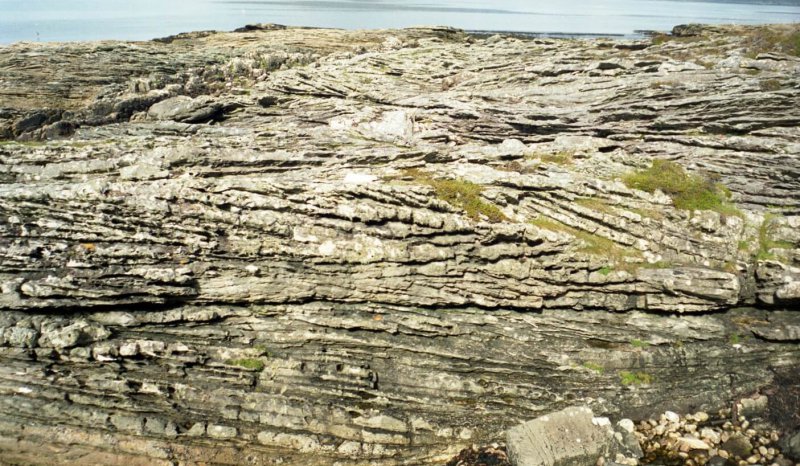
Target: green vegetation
[735, 339]
[657, 265]
[773, 40]
[765, 244]
[462, 194]
[770, 85]
[248, 363]
[606, 270]
[558, 158]
[594, 367]
[636, 343]
[660, 39]
[688, 191]
[595, 203]
[262, 350]
[635, 378]
[649, 213]
[591, 243]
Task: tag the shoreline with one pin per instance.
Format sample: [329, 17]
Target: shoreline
[480, 33]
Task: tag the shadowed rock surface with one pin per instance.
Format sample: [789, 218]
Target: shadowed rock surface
[308, 246]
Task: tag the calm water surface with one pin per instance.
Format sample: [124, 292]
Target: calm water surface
[61, 20]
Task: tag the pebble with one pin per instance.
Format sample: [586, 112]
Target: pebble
[672, 417]
[692, 441]
[710, 435]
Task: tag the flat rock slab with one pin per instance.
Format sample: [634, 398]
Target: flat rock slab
[185, 109]
[571, 437]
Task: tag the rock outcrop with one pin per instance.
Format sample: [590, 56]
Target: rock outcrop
[313, 246]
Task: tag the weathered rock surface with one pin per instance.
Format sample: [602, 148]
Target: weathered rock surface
[239, 256]
[570, 437]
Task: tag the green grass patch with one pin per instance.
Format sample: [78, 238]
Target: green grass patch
[735, 339]
[590, 243]
[595, 203]
[262, 350]
[657, 265]
[594, 367]
[462, 194]
[251, 364]
[635, 378]
[765, 243]
[606, 270]
[558, 158]
[773, 39]
[688, 191]
[770, 85]
[636, 343]
[649, 213]
[661, 39]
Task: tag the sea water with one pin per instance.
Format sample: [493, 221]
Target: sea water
[68, 20]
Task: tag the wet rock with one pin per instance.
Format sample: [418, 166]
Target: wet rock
[738, 445]
[30, 123]
[790, 445]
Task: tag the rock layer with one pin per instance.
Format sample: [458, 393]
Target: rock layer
[307, 245]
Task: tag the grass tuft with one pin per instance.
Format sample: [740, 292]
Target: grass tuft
[770, 85]
[765, 244]
[594, 367]
[636, 343]
[248, 363]
[558, 158]
[635, 378]
[688, 191]
[773, 40]
[596, 204]
[590, 243]
[462, 194]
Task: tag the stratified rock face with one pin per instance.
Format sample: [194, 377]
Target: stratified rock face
[308, 246]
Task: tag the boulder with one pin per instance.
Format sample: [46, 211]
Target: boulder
[738, 445]
[570, 437]
[185, 109]
[790, 445]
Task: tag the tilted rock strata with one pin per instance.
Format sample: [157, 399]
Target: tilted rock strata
[239, 243]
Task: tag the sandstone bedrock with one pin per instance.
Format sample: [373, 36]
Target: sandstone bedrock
[315, 246]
